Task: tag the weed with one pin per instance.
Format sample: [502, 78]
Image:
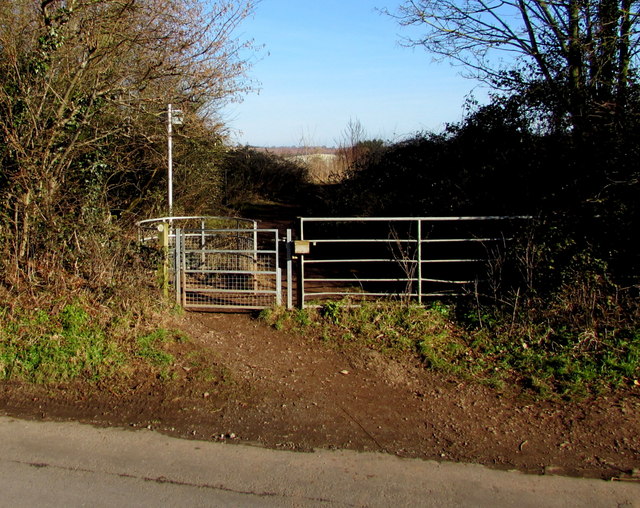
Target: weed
[274, 316]
[148, 348]
[265, 314]
[302, 317]
[331, 311]
[442, 309]
[281, 318]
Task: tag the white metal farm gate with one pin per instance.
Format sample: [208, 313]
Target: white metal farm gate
[415, 258]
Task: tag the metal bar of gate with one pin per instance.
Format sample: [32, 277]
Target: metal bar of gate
[177, 265]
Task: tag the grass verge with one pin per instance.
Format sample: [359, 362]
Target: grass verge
[503, 355]
[70, 342]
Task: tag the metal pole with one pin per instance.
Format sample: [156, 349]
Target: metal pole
[256, 266]
[170, 157]
[278, 269]
[164, 241]
[289, 245]
[420, 261]
[177, 277]
[301, 267]
[203, 258]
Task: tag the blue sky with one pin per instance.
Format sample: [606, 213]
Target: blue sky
[326, 62]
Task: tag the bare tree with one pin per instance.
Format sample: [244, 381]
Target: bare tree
[354, 147]
[352, 137]
[582, 51]
[83, 85]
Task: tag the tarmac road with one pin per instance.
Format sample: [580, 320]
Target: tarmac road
[68, 464]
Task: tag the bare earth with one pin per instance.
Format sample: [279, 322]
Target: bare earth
[241, 381]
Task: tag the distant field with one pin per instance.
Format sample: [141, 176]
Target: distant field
[323, 167]
[324, 163]
[286, 151]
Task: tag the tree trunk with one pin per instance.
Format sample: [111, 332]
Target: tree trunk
[624, 56]
[575, 61]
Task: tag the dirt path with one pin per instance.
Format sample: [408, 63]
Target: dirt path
[307, 395]
[288, 391]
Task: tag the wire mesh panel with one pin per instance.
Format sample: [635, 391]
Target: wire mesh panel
[160, 233]
[228, 268]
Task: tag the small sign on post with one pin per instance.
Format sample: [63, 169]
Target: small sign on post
[302, 247]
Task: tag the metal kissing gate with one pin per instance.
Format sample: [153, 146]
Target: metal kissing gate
[217, 262]
[227, 268]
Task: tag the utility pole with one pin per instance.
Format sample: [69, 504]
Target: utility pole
[174, 117]
[170, 158]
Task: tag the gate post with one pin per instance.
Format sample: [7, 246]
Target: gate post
[288, 244]
[301, 267]
[177, 265]
[419, 261]
[163, 233]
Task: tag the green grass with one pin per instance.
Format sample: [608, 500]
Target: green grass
[500, 353]
[70, 343]
[150, 348]
[39, 347]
